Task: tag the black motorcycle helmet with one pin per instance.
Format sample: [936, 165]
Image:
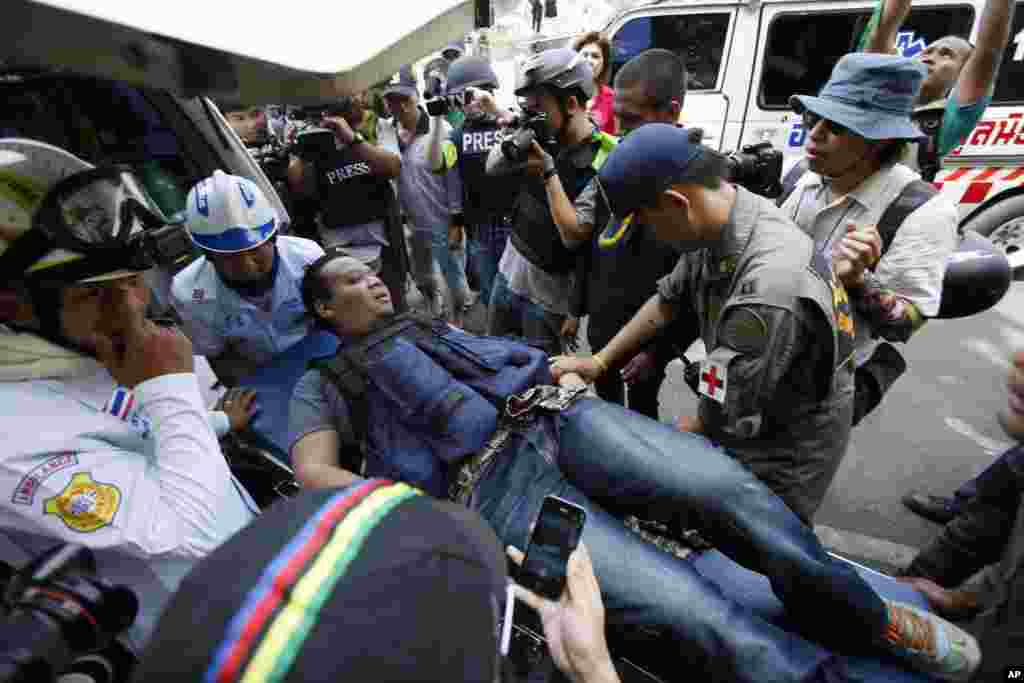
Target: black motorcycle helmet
[977, 277]
[561, 68]
[470, 72]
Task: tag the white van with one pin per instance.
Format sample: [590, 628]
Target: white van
[747, 58]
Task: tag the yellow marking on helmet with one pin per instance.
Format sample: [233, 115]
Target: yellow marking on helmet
[606, 240]
[23, 191]
[43, 263]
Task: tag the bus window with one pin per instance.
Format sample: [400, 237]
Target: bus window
[802, 48]
[1010, 81]
[698, 38]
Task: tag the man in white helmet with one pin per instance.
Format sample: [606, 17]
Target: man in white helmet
[240, 303]
[106, 439]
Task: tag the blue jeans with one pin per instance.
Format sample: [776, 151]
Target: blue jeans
[486, 246]
[615, 462]
[512, 315]
[453, 267]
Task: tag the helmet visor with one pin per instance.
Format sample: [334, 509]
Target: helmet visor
[101, 208]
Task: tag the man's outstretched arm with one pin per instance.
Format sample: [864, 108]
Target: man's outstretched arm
[979, 71]
[883, 37]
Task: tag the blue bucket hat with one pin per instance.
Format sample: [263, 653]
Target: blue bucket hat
[403, 83]
[871, 94]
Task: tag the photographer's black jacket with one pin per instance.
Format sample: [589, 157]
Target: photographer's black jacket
[350, 193]
[535, 234]
[484, 197]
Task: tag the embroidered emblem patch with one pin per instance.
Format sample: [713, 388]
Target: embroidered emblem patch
[25, 492]
[85, 505]
[713, 380]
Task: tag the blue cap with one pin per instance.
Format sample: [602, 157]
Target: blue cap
[871, 94]
[402, 83]
[644, 165]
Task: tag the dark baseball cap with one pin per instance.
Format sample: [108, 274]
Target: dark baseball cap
[642, 166]
[373, 582]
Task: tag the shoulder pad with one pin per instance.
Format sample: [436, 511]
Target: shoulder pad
[606, 143]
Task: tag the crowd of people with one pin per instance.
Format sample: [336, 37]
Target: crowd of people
[422, 448]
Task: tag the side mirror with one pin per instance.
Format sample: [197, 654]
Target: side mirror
[978, 275]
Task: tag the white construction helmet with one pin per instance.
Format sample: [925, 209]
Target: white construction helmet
[226, 214]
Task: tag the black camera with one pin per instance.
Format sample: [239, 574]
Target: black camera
[439, 106]
[516, 145]
[60, 618]
[757, 168]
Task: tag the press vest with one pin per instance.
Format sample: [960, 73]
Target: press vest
[350, 192]
[484, 196]
[534, 232]
[422, 395]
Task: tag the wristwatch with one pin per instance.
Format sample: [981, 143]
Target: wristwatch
[549, 173]
[357, 139]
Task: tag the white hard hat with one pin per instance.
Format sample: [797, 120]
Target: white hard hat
[227, 214]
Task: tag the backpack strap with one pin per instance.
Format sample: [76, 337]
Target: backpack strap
[789, 181]
[909, 200]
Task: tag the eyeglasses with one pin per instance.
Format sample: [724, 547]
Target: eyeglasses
[811, 120]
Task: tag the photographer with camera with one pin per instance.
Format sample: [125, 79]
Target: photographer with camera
[560, 150]
[485, 221]
[858, 128]
[106, 439]
[430, 201]
[350, 179]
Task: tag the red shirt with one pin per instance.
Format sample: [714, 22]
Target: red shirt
[602, 110]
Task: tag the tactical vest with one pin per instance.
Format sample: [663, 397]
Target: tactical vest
[819, 287]
[350, 192]
[422, 395]
[534, 232]
[484, 197]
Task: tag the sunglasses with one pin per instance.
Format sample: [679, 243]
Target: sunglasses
[811, 120]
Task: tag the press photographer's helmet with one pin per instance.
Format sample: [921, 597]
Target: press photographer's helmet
[470, 72]
[227, 214]
[65, 221]
[561, 68]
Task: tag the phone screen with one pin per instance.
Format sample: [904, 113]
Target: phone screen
[555, 535]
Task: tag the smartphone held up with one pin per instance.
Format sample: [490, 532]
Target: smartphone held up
[556, 534]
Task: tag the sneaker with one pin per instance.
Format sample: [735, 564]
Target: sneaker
[929, 643]
[938, 509]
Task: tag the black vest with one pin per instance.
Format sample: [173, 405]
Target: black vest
[350, 193]
[620, 279]
[534, 232]
[929, 120]
[484, 197]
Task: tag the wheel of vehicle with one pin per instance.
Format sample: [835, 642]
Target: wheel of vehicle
[1002, 223]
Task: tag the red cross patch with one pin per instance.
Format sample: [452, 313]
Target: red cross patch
[713, 380]
[198, 295]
